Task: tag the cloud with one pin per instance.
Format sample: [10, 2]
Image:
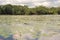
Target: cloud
[32, 3]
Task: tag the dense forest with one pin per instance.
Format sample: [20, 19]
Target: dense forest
[25, 10]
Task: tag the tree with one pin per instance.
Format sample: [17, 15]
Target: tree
[0, 10]
[53, 10]
[25, 10]
[7, 9]
[58, 10]
[41, 10]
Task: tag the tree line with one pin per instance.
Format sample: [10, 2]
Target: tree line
[25, 10]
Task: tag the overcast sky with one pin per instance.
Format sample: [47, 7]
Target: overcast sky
[32, 3]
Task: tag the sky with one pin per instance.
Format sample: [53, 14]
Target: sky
[32, 3]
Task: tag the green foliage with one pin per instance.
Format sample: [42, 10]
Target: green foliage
[53, 10]
[7, 9]
[58, 10]
[25, 10]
